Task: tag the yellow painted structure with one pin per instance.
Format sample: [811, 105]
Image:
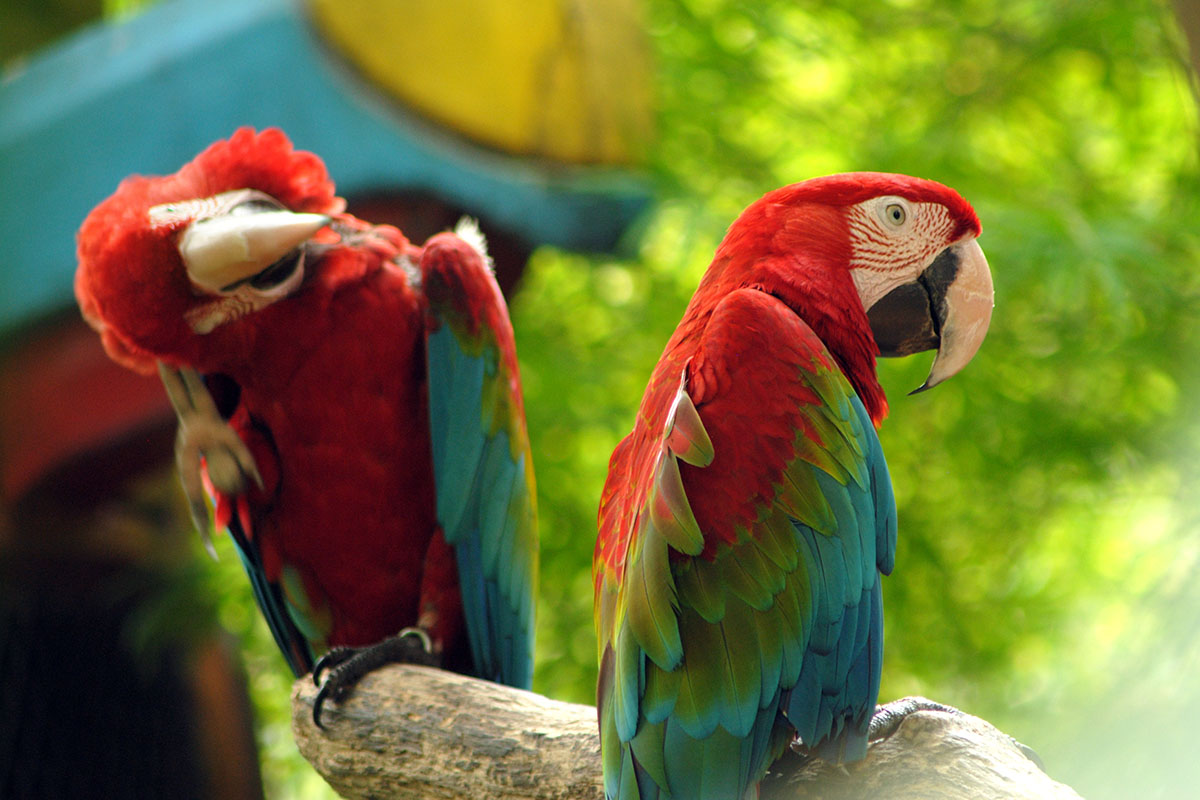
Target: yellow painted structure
[566, 80]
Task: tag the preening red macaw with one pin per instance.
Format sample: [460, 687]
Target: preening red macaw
[375, 471]
[747, 518]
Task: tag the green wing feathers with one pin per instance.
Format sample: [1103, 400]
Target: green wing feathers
[736, 594]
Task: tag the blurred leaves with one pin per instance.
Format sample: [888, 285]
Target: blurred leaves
[26, 25]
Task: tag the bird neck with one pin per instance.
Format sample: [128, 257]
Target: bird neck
[803, 260]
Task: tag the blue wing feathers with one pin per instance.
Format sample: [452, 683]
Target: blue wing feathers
[295, 647]
[882, 495]
[484, 496]
[700, 769]
[849, 645]
[772, 637]
[472, 586]
[806, 600]
[497, 476]
[833, 697]
[885, 515]
[455, 386]
[874, 654]
[496, 659]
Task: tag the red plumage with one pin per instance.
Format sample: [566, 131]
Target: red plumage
[326, 383]
[115, 239]
[748, 516]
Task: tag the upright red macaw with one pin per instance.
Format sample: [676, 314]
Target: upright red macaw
[747, 518]
[371, 393]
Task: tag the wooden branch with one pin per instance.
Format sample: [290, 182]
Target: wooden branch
[418, 732]
[421, 733]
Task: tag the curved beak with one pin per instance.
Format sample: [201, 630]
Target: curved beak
[948, 307]
[219, 252]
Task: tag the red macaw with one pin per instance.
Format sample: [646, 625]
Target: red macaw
[375, 471]
[747, 518]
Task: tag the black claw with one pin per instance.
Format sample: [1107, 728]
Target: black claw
[347, 665]
[317, 704]
[331, 659]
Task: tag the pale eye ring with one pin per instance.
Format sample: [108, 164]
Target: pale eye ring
[895, 214]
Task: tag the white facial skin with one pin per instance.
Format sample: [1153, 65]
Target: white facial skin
[234, 237]
[893, 240]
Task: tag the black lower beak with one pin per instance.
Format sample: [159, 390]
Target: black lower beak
[948, 307]
[909, 318]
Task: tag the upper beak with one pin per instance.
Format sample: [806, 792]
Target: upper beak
[221, 251]
[948, 306]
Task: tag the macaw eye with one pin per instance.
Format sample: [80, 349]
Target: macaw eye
[895, 214]
[280, 273]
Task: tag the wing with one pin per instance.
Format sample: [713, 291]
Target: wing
[482, 465]
[296, 627]
[282, 618]
[738, 576]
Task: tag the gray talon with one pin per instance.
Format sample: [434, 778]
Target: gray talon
[420, 633]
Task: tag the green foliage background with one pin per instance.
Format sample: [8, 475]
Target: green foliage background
[1046, 495]
[1049, 544]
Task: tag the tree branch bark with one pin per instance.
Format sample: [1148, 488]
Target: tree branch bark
[415, 732]
[1187, 12]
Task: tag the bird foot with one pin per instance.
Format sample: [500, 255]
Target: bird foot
[347, 665]
[206, 439]
[887, 718]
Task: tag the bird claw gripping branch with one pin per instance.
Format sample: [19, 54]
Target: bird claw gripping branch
[346, 665]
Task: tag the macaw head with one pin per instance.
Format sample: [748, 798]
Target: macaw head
[875, 263]
[167, 261]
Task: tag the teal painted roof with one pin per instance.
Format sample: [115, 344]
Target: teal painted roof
[147, 94]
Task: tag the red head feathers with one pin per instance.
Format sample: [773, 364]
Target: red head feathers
[131, 283]
[874, 263]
